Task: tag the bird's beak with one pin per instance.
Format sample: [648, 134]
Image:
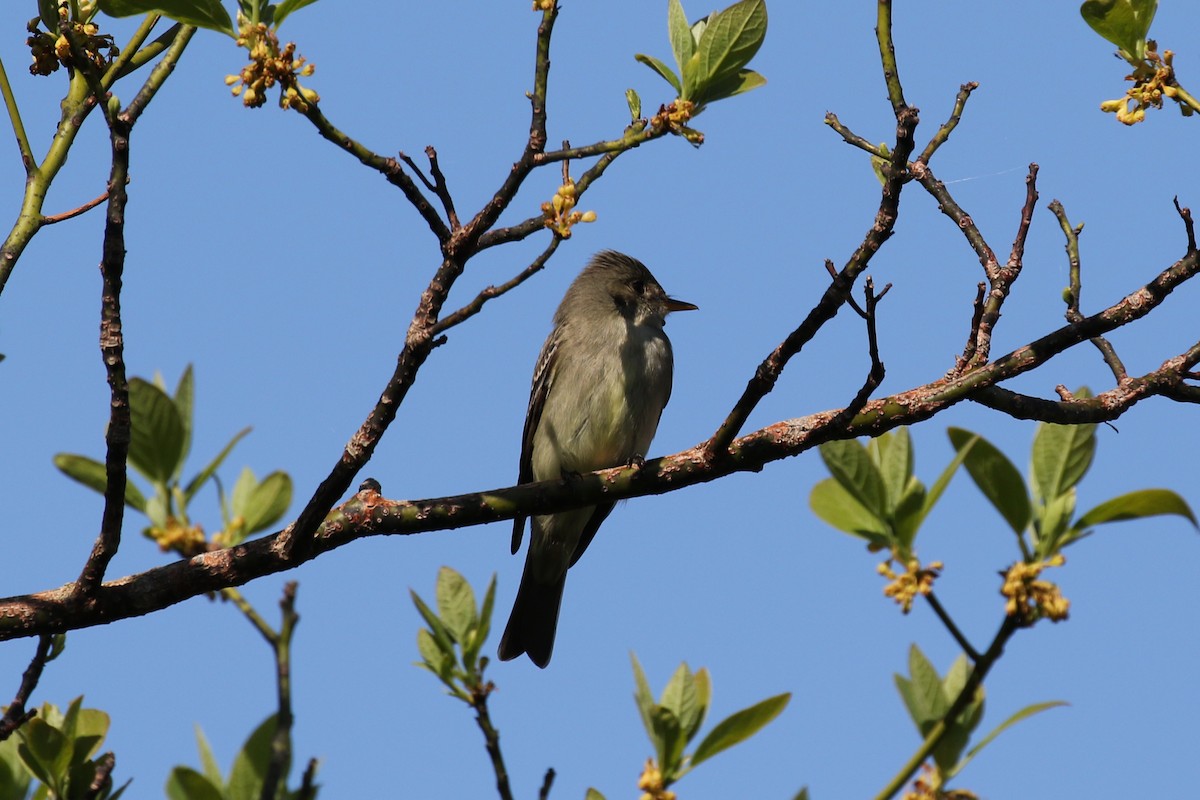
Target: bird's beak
[680, 305]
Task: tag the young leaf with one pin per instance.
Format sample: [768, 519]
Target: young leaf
[1125, 23]
[185, 783]
[592, 794]
[44, 750]
[644, 699]
[837, 507]
[740, 726]
[703, 684]
[635, 104]
[909, 513]
[1052, 522]
[483, 625]
[1137, 505]
[208, 762]
[682, 43]
[893, 455]
[669, 741]
[440, 633]
[185, 401]
[92, 474]
[732, 84]
[926, 701]
[1062, 455]
[456, 602]
[663, 70]
[208, 14]
[849, 464]
[995, 476]
[285, 9]
[250, 764]
[196, 483]
[681, 698]
[1024, 713]
[156, 442]
[265, 504]
[731, 39]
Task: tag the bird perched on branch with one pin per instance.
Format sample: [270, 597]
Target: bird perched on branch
[599, 388]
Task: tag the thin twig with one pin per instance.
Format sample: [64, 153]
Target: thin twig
[475, 306]
[943, 133]
[968, 354]
[1185, 214]
[936, 605]
[281, 741]
[547, 782]
[14, 118]
[1075, 291]
[441, 189]
[50, 219]
[491, 738]
[15, 715]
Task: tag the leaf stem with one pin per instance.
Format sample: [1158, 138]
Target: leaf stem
[14, 116]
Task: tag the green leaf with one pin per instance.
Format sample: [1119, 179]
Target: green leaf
[91, 473]
[662, 69]
[1052, 521]
[1137, 505]
[635, 104]
[440, 634]
[250, 764]
[837, 507]
[483, 624]
[730, 40]
[185, 783]
[592, 794]
[45, 751]
[925, 700]
[740, 726]
[208, 14]
[14, 778]
[669, 740]
[802, 794]
[703, 683]
[438, 662]
[893, 456]
[995, 476]
[1125, 23]
[156, 443]
[644, 699]
[197, 483]
[682, 43]
[943, 480]
[736, 83]
[955, 740]
[185, 401]
[261, 504]
[1062, 455]
[91, 726]
[1024, 713]
[285, 9]
[849, 464]
[456, 602]
[682, 699]
[208, 761]
[909, 514]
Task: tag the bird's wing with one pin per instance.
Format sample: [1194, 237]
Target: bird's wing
[599, 514]
[543, 378]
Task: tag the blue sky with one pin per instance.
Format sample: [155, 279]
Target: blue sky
[286, 274]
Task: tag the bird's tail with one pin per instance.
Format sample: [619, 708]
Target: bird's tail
[533, 620]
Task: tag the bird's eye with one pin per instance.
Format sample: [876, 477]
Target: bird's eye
[639, 287]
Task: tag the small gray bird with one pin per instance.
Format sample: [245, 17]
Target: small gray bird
[599, 388]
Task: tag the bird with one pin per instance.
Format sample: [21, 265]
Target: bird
[599, 388]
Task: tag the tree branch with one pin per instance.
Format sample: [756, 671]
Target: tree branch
[15, 715]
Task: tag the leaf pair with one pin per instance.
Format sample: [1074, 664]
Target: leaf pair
[673, 722]
[929, 698]
[874, 494]
[712, 53]
[457, 624]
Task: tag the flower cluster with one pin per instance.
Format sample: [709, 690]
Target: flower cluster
[1152, 79]
[1031, 598]
[912, 581]
[186, 540]
[49, 51]
[672, 117]
[559, 213]
[543, 5]
[651, 783]
[270, 65]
